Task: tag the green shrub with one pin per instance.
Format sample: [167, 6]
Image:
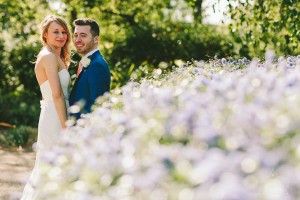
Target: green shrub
[19, 108]
[23, 136]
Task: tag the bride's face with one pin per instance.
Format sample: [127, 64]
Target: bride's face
[56, 35]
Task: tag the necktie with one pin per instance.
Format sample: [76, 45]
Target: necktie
[79, 69]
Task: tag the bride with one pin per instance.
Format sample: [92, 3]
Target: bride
[51, 70]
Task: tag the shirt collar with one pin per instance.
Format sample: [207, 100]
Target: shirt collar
[91, 52]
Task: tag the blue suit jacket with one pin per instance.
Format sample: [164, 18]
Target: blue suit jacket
[91, 83]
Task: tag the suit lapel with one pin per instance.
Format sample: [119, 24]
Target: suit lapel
[93, 56]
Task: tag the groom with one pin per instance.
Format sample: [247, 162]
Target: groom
[93, 74]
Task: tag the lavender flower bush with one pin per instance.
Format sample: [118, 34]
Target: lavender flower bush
[224, 129]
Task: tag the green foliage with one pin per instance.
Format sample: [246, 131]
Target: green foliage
[18, 18]
[23, 136]
[19, 102]
[261, 25]
[5, 71]
[168, 43]
[22, 59]
[18, 46]
[19, 108]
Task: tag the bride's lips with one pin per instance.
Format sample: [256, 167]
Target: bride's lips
[61, 41]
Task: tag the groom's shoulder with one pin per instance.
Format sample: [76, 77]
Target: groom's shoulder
[100, 61]
[99, 58]
[97, 55]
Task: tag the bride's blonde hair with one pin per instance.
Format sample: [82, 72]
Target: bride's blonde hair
[65, 54]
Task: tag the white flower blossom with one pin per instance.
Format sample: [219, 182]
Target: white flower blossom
[85, 61]
[204, 131]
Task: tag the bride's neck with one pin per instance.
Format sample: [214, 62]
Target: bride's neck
[56, 51]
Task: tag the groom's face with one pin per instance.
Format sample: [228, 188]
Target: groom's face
[84, 41]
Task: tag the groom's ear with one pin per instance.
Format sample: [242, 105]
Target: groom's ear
[96, 39]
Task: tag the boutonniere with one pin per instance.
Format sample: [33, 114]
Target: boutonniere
[85, 61]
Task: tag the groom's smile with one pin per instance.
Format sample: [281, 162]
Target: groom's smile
[79, 46]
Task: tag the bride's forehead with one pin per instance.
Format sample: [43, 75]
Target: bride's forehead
[55, 25]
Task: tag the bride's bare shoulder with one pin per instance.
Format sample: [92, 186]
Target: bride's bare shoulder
[46, 56]
[45, 53]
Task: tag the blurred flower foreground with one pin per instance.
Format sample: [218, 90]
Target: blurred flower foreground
[223, 129]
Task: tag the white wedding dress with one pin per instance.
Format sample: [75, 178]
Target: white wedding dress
[49, 129]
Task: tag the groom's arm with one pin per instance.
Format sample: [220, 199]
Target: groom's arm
[98, 81]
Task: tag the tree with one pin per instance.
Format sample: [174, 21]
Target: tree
[19, 91]
[20, 18]
[197, 9]
[139, 33]
[267, 24]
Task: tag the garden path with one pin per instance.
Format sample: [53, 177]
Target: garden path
[15, 167]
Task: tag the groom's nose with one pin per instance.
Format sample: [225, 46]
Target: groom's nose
[77, 38]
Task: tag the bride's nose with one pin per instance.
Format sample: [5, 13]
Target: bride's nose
[61, 35]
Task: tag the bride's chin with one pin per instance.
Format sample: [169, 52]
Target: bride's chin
[58, 46]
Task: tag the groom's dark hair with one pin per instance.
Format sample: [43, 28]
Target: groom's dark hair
[95, 29]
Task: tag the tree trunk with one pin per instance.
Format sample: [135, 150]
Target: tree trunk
[198, 11]
[73, 16]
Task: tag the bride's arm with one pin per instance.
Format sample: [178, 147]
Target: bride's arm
[50, 64]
